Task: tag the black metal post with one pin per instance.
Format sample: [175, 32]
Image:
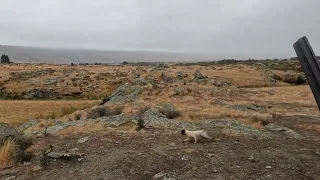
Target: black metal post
[310, 65]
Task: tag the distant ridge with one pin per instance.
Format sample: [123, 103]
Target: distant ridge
[63, 56]
[296, 58]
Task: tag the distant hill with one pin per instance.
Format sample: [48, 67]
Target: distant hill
[296, 58]
[58, 56]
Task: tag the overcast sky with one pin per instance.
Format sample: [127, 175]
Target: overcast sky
[253, 28]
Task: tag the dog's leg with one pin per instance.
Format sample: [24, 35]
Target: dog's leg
[187, 139]
[195, 139]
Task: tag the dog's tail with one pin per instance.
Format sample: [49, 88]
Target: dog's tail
[206, 135]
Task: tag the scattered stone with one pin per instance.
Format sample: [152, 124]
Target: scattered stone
[84, 139]
[215, 171]
[184, 158]
[27, 163]
[251, 158]
[74, 149]
[65, 155]
[164, 176]
[268, 167]
[10, 178]
[268, 176]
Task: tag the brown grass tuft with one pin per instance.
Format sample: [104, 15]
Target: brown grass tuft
[7, 153]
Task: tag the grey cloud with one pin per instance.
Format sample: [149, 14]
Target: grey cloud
[239, 29]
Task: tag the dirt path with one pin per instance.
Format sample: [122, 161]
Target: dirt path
[130, 155]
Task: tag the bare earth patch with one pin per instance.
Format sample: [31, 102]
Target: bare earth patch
[113, 154]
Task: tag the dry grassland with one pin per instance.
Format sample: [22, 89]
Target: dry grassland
[194, 100]
[16, 112]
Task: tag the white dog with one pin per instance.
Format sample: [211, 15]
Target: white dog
[194, 134]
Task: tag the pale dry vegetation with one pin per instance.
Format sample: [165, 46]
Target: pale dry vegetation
[7, 153]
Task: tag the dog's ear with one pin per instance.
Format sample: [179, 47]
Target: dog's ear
[183, 132]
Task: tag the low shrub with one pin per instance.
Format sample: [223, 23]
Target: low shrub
[141, 123]
[101, 111]
[170, 114]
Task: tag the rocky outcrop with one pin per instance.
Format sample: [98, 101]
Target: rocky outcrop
[32, 129]
[295, 78]
[165, 106]
[153, 118]
[198, 76]
[38, 94]
[121, 94]
[272, 127]
[302, 79]
[35, 123]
